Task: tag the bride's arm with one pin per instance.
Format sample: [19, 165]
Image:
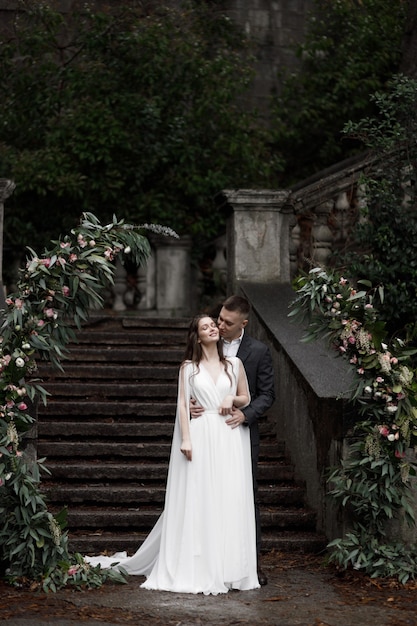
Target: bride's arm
[184, 416]
[242, 397]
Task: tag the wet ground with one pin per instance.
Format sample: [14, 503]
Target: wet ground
[301, 591]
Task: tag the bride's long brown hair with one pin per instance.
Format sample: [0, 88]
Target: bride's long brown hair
[193, 349]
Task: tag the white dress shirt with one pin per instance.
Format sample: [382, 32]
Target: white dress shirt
[230, 348]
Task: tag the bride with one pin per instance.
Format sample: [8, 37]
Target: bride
[204, 541]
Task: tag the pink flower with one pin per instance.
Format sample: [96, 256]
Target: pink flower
[360, 370]
[49, 313]
[22, 406]
[64, 244]
[351, 339]
[81, 241]
[40, 323]
[379, 379]
[72, 570]
[108, 253]
[383, 430]
[46, 262]
[399, 455]
[394, 360]
[18, 303]
[73, 257]
[65, 291]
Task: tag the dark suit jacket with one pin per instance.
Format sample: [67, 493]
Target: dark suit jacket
[259, 368]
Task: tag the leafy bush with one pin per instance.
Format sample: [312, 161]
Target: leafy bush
[131, 109]
[385, 238]
[350, 51]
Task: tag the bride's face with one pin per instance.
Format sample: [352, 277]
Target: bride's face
[207, 330]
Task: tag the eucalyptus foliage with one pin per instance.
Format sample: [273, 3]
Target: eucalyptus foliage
[56, 290]
[374, 482]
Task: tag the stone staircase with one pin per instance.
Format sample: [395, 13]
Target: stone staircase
[106, 433]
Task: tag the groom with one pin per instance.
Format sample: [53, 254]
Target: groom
[256, 358]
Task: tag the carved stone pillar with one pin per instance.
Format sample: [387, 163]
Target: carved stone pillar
[321, 234]
[295, 239]
[257, 236]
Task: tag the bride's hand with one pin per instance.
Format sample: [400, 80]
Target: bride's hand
[226, 406]
[186, 450]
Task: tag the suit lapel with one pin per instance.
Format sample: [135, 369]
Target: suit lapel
[244, 348]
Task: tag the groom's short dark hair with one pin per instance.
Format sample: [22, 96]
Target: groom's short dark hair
[237, 303]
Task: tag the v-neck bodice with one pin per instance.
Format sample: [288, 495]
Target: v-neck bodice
[210, 393]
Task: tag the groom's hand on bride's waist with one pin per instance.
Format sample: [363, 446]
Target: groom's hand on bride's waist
[196, 410]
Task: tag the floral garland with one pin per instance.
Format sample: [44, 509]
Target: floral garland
[55, 291]
[373, 481]
[385, 388]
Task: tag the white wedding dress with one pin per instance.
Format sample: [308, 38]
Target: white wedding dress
[205, 540]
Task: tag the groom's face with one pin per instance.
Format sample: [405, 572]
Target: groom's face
[231, 324]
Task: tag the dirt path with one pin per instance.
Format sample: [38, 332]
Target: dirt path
[301, 591]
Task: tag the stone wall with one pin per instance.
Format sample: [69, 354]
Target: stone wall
[276, 26]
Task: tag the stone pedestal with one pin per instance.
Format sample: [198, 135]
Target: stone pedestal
[172, 276]
[258, 232]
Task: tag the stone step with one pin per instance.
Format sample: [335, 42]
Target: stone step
[109, 431]
[111, 390]
[122, 337]
[87, 450]
[137, 494]
[105, 371]
[82, 471]
[145, 518]
[108, 321]
[132, 428]
[137, 450]
[127, 354]
[113, 408]
[308, 542]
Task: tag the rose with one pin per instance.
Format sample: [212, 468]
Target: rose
[19, 362]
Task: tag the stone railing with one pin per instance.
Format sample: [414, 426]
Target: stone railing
[274, 234]
[271, 235]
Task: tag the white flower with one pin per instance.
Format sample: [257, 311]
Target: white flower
[26, 346]
[368, 389]
[19, 362]
[391, 408]
[127, 250]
